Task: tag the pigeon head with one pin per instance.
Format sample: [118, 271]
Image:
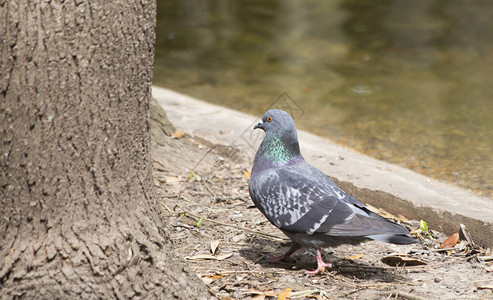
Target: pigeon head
[280, 145]
[276, 122]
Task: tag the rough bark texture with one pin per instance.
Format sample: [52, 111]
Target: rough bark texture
[78, 214]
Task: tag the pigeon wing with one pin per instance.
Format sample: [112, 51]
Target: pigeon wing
[296, 202]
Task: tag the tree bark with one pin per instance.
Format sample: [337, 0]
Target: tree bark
[78, 215]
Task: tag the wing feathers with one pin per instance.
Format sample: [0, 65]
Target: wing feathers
[301, 200]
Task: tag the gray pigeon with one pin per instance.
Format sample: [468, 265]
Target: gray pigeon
[304, 203]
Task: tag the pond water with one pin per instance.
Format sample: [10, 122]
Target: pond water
[409, 82]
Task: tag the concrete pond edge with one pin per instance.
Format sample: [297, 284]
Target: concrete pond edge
[381, 184]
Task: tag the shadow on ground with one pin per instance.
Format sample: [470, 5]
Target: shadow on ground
[305, 259]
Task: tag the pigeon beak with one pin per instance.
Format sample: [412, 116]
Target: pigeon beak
[259, 125]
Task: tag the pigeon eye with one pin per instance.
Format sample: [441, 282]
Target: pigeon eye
[269, 119]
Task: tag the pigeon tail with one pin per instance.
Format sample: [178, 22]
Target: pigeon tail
[393, 239]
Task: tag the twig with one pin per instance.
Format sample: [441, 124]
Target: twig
[401, 295]
[237, 197]
[158, 162]
[443, 249]
[227, 272]
[186, 200]
[214, 197]
[167, 208]
[259, 259]
[233, 226]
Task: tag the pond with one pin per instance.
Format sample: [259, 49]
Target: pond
[409, 82]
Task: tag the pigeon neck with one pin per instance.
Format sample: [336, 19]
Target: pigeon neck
[277, 151]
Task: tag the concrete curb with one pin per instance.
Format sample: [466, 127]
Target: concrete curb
[391, 187]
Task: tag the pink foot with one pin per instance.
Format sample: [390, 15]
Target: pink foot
[321, 265]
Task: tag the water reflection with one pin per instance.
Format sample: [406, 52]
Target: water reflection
[404, 81]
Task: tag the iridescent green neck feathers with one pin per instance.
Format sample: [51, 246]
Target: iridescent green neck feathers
[278, 150]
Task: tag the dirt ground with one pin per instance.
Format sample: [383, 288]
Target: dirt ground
[225, 240]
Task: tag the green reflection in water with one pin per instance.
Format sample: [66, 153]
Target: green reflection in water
[409, 82]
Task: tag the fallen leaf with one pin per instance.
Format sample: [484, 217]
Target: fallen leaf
[354, 257]
[208, 256]
[246, 173]
[214, 245]
[284, 294]
[172, 180]
[450, 241]
[485, 258]
[402, 217]
[380, 211]
[178, 134]
[207, 280]
[402, 260]
[224, 256]
[238, 238]
[416, 233]
[201, 256]
[259, 293]
[466, 234]
[305, 294]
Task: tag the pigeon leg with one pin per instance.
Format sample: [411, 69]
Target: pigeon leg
[321, 265]
[285, 256]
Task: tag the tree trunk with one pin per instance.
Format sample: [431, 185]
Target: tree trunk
[78, 215]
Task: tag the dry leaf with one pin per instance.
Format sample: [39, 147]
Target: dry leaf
[357, 256]
[306, 294]
[485, 258]
[270, 293]
[402, 260]
[466, 234]
[172, 180]
[402, 218]
[258, 297]
[208, 256]
[246, 173]
[256, 293]
[238, 238]
[450, 241]
[201, 256]
[380, 211]
[207, 280]
[214, 245]
[178, 134]
[284, 294]
[224, 256]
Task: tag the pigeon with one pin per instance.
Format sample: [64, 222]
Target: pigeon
[304, 203]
